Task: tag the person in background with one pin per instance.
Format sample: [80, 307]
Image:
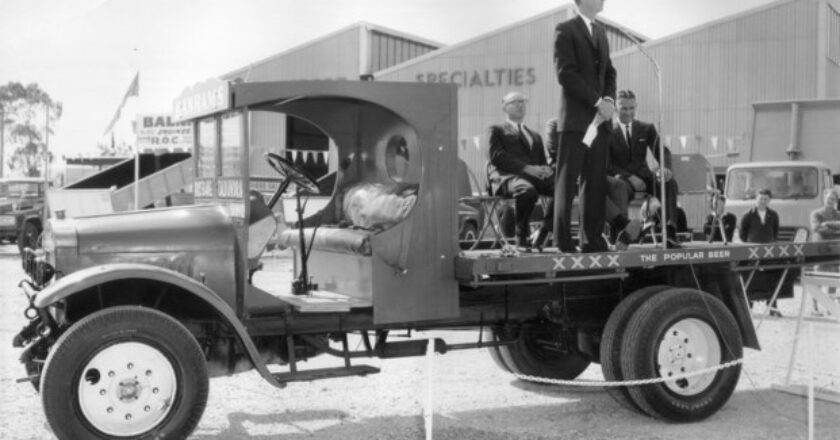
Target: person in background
[588, 78]
[519, 168]
[718, 219]
[761, 225]
[825, 225]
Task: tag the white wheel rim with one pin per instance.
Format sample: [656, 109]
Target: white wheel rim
[687, 346]
[127, 389]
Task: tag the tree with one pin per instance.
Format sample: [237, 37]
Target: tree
[28, 115]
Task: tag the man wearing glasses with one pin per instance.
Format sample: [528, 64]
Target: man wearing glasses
[518, 168]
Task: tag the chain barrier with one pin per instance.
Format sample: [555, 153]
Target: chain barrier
[627, 383]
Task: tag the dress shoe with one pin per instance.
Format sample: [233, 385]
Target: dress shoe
[539, 242]
[622, 241]
[523, 244]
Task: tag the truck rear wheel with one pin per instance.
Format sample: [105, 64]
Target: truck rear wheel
[125, 372]
[610, 348]
[539, 350]
[681, 331]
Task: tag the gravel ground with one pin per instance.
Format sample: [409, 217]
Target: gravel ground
[472, 398]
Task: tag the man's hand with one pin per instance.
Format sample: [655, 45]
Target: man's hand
[541, 172]
[606, 108]
[637, 183]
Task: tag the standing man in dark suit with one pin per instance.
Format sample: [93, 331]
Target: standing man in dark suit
[584, 70]
[631, 141]
[519, 168]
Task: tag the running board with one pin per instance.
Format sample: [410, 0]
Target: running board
[325, 373]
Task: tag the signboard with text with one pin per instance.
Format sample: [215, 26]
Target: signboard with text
[205, 98]
[161, 132]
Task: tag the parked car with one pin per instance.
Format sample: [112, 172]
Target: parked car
[21, 210]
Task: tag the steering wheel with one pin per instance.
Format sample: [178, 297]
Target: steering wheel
[289, 171]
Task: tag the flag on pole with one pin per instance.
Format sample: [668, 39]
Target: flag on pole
[133, 90]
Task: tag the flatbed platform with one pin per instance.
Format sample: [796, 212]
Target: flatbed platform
[474, 266]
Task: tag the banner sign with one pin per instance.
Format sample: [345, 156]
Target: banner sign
[161, 132]
[202, 99]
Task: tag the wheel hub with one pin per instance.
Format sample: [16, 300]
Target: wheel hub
[127, 389]
[687, 346]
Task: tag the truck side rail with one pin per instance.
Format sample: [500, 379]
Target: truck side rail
[479, 266]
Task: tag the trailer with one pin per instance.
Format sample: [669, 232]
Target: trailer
[131, 313]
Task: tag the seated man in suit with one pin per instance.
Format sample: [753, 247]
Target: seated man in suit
[628, 151]
[519, 168]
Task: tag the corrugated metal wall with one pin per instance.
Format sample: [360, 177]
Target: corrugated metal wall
[832, 49]
[336, 57]
[712, 75]
[388, 50]
[520, 57]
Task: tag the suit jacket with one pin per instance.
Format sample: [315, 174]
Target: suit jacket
[510, 152]
[625, 159]
[753, 231]
[584, 69]
[728, 220]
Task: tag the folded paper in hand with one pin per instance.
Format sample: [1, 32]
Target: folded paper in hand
[592, 130]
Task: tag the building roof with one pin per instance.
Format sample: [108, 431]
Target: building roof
[608, 23]
[362, 25]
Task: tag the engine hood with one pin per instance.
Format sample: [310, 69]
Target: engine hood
[183, 229]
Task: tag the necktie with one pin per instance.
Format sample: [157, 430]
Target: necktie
[524, 134]
[627, 133]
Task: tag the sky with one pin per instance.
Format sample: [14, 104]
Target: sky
[85, 53]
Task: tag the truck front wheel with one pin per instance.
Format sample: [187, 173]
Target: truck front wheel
[540, 350]
[676, 332]
[125, 372]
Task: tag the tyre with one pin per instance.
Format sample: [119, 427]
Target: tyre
[610, 349]
[540, 350]
[28, 238]
[469, 235]
[681, 331]
[125, 372]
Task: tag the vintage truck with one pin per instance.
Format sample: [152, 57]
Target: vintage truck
[130, 313]
[21, 209]
[793, 153]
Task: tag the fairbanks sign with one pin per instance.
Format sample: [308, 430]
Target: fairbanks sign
[206, 98]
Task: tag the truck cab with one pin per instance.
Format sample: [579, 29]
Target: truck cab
[796, 189]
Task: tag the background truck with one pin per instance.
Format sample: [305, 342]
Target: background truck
[21, 209]
[131, 313]
[794, 153]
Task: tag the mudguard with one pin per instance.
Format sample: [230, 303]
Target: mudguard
[96, 275]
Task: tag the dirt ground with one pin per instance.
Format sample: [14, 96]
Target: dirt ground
[472, 398]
